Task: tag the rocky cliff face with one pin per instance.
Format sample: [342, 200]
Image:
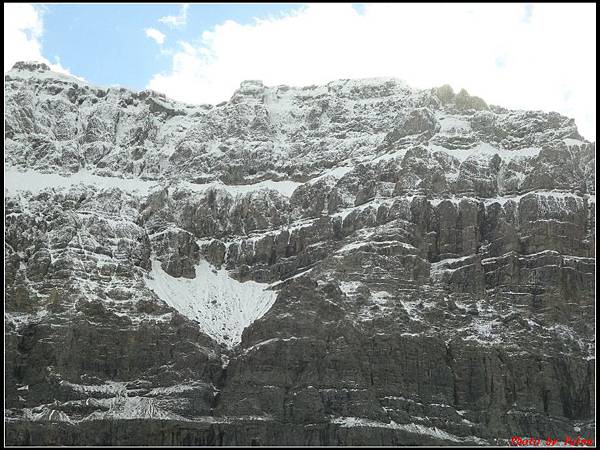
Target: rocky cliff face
[348, 264]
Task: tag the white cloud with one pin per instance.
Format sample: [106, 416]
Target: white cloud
[540, 56]
[155, 35]
[22, 31]
[176, 21]
[23, 28]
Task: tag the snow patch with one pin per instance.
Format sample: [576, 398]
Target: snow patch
[337, 173]
[129, 408]
[293, 277]
[268, 342]
[42, 75]
[285, 188]
[486, 151]
[222, 306]
[398, 154]
[108, 388]
[572, 142]
[455, 200]
[517, 198]
[349, 287]
[450, 124]
[351, 422]
[438, 269]
[374, 204]
[35, 182]
[377, 244]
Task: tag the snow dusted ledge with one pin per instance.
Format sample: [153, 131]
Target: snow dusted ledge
[33, 181]
[353, 422]
[18, 180]
[222, 306]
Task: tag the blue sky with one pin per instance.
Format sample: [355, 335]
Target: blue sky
[518, 55]
[95, 40]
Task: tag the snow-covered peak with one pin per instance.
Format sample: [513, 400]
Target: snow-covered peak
[31, 66]
[35, 70]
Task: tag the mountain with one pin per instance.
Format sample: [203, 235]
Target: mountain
[357, 263]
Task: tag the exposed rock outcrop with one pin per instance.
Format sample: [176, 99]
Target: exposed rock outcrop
[358, 263]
